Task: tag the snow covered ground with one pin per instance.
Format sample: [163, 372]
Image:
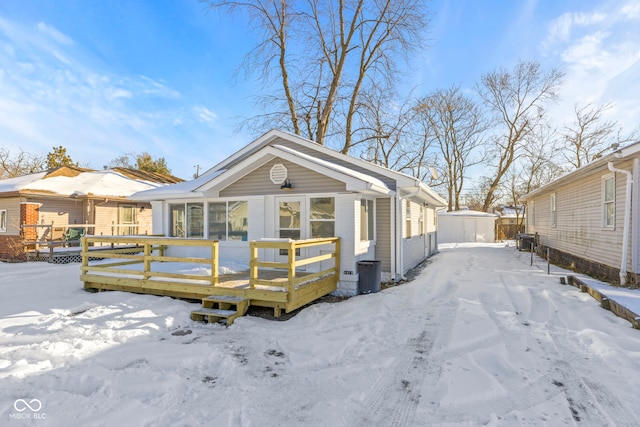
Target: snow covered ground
[480, 337]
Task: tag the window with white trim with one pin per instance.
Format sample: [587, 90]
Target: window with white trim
[3, 220]
[421, 221]
[229, 220]
[407, 219]
[186, 220]
[366, 220]
[531, 213]
[554, 211]
[322, 217]
[608, 201]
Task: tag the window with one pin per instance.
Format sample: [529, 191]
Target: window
[608, 201]
[366, 220]
[322, 216]
[186, 220]
[421, 221]
[195, 220]
[407, 219]
[126, 219]
[532, 214]
[554, 212]
[176, 220]
[229, 220]
[3, 220]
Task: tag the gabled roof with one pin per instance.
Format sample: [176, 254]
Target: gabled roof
[75, 182]
[622, 154]
[264, 149]
[468, 213]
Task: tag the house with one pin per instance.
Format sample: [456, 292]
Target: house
[589, 218]
[466, 225]
[44, 206]
[282, 186]
[510, 221]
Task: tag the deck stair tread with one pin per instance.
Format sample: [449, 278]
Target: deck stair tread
[225, 298]
[214, 311]
[221, 308]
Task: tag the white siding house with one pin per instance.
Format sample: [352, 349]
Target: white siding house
[285, 186]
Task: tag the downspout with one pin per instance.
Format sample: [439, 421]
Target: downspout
[635, 218]
[627, 218]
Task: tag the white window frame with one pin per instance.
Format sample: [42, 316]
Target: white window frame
[608, 223]
[367, 220]
[407, 220]
[3, 220]
[531, 214]
[553, 208]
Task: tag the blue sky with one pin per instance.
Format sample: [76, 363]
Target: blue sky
[106, 78]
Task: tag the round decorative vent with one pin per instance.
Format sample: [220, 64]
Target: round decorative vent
[278, 173]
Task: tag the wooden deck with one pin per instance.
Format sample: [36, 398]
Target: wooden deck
[280, 286]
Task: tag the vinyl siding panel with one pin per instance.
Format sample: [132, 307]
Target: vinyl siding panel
[388, 181]
[304, 181]
[579, 229]
[383, 233]
[12, 206]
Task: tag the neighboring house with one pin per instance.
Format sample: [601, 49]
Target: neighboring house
[286, 187]
[510, 222]
[67, 196]
[466, 226]
[590, 219]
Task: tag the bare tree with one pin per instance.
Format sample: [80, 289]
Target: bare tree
[325, 54]
[516, 99]
[589, 135]
[457, 126]
[20, 164]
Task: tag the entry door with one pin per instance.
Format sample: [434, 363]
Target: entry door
[127, 216]
[290, 220]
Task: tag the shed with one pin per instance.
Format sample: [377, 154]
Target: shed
[466, 226]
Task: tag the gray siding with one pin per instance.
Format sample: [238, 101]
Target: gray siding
[578, 229]
[383, 233]
[413, 252]
[319, 155]
[304, 181]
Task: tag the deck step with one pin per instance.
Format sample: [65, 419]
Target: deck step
[221, 308]
[213, 315]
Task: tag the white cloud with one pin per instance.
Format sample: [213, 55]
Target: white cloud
[204, 114]
[54, 34]
[600, 54]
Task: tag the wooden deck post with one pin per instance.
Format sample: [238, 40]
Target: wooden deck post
[253, 264]
[214, 263]
[147, 260]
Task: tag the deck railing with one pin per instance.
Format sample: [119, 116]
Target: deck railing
[292, 247]
[149, 252]
[36, 237]
[262, 286]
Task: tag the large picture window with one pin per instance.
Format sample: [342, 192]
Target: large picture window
[229, 220]
[186, 220]
[608, 201]
[322, 216]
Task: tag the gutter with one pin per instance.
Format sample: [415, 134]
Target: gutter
[627, 217]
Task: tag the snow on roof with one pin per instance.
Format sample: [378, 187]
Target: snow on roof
[99, 183]
[467, 212]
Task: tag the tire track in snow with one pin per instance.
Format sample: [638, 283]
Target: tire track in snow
[385, 406]
[589, 403]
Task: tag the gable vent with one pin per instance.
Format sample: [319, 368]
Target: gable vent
[278, 173]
